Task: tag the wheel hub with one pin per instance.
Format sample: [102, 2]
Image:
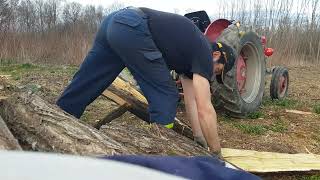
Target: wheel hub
[241, 74]
[283, 85]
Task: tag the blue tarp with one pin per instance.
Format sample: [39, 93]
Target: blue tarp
[198, 168]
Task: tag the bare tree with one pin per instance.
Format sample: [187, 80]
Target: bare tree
[51, 12]
[5, 14]
[71, 12]
[39, 5]
[89, 16]
[26, 16]
[313, 15]
[13, 4]
[99, 14]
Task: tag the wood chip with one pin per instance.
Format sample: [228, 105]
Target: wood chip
[298, 112]
[3, 98]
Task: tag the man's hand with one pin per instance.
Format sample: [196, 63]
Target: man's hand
[191, 107]
[206, 113]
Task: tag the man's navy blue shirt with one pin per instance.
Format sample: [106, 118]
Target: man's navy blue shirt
[183, 46]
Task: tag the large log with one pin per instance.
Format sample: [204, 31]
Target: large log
[122, 92]
[152, 139]
[41, 126]
[7, 141]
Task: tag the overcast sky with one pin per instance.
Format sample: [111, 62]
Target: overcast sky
[164, 5]
[210, 6]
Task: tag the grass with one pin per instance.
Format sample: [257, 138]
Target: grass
[225, 118]
[316, 108]
[252, 129]
[171, 152]
[85, 117]
[278, 126]
[7, 61]
[314, 177]
[28, 66]
[33, 88]
[18, 70]
[14, 68]
[283, 103]
[256, 115]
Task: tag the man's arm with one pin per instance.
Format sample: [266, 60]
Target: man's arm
[206, 113]
[191, 109]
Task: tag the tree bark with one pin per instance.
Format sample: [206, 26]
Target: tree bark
[7, 141]
[40, 126]
[144, 138]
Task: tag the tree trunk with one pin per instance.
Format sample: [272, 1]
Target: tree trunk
[40, 126]
[7, 141]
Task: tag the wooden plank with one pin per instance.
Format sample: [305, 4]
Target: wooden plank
[124, 86]
[266, 162]
[113, 97]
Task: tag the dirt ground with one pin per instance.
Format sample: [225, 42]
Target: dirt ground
[270, 129]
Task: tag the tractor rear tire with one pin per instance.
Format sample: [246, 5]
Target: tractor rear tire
[227, 97]
[279, 83]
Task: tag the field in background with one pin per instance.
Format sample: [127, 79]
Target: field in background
[53, 32]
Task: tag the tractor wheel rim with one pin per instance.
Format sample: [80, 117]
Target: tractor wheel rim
[241, 74]
[283, 84]
[249, 73]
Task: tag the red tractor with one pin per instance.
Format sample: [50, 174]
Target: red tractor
[243, 87]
